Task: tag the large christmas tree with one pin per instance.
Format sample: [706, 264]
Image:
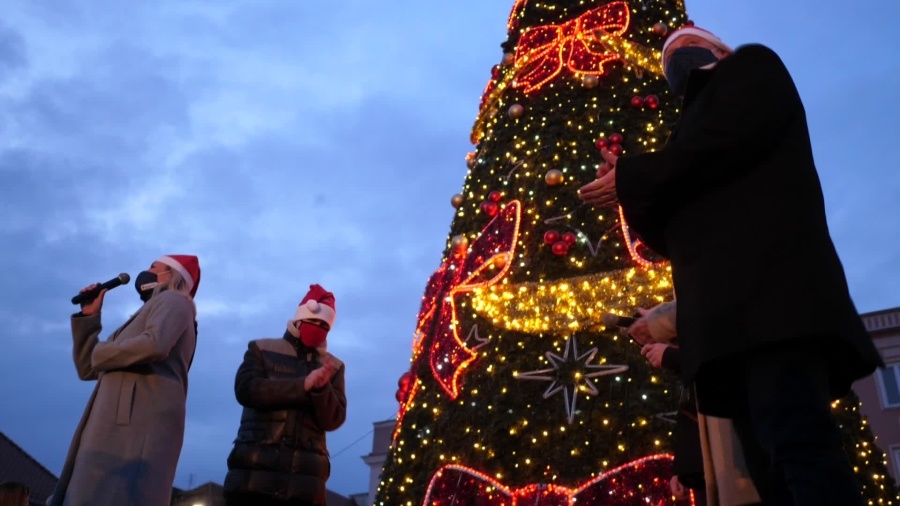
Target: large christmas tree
[517, 392]
[516, 388]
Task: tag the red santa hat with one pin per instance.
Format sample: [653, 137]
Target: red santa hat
[317, 304]
[186, 265]
[697, 32]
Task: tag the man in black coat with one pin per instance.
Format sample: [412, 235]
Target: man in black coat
[292, 391]
[770, 333]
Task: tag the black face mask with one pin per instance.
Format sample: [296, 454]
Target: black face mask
[144, 283]
[682, 62]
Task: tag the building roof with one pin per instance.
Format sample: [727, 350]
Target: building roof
[882, 321]
[381, 439]
[334, 499]
[17, 465]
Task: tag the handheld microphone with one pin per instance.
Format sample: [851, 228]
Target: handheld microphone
[84, 298]
[614, 320]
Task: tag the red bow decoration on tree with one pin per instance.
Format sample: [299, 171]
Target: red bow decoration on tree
[485, 263]
[644, 482]
[543, 51]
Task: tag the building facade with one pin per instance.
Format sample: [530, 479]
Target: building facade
[880, 392]
[381, 444]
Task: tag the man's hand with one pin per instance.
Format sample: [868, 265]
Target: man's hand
[654, 353]
[639, 330]
[93, 307]
[609, 162]
[320, 377]
[601, 192]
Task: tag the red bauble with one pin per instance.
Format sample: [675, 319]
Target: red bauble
[616, 138]
[560, 248]
[490, 208]
[601, 143]
[616, 149]
[652, 101]
[495, 196]
[495, 71]
[570, 238]
[404, 380]
[551, 237]
[637, 102]
[404, 385]
[660, 29]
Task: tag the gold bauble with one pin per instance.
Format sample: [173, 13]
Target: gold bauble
[456, 200]
[590, 81]
[554, 177]
[470, 160]
[459, 242]
[516, 111]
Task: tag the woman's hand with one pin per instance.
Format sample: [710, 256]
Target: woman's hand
[677, 488]
[654, 353]
[93, 307]
[639, 330]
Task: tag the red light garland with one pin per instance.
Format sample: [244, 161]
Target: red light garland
[632, 246]
[462, 272]
[639, 483]
[404, 407]
[511, 22]
[543, 51]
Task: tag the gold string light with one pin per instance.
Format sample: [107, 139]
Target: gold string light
[571, 304]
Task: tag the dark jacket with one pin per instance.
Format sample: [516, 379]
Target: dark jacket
[688, 462]
[734, 201]
[280, 449]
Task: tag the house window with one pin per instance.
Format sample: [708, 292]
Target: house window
[895, 455]
[889, 386]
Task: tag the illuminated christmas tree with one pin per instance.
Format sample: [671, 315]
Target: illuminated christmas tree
[517, 392]
[516, 388]
[867, 459]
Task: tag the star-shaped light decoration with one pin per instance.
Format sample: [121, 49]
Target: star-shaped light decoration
[668, 417]
[473, 337]
[570, 373]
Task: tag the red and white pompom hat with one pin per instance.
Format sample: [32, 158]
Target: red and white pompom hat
[317, 304]
[697, 32]
[186, 265]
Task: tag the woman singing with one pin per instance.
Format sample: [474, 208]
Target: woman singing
[127, 445]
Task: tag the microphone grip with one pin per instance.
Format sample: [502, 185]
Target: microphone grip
[93, 293]
[85, 297]
[626, 321]
[614, 320]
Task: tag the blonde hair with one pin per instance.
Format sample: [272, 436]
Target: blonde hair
[14, 494]
[176, 283]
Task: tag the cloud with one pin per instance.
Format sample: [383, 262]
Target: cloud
[12, 51]
[279, 168]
